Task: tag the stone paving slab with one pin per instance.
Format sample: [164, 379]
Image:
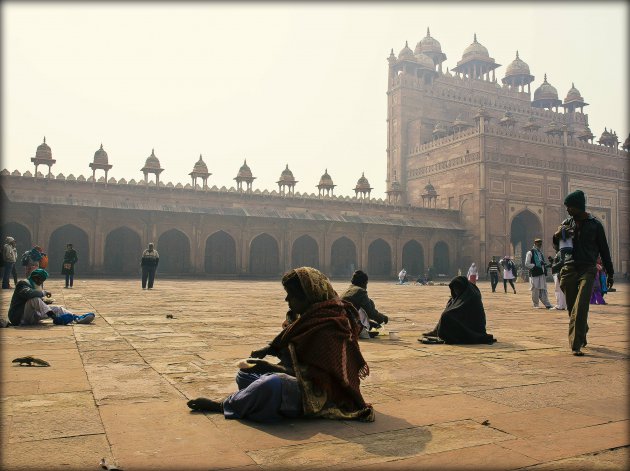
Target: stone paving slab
[117, 388]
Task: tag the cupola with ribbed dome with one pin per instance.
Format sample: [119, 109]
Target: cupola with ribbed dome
[429, 46]
[546, 96]
[394, 192]
[152, 165]
[200, 170]
[100, 162]
[460, 123]
[406, 53]
[363, 188]
[517, 75]
[429, 197]
[507, 120]
[531, 124]
[476, 63]
[439, 130]
[608, 139]
[586, 135]
[574, 100]
[326, 185]
[286, 183]
[419, 65]
[244, 175]
[43, 156]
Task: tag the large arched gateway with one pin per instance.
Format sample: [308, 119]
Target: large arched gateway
[343, 257]
[220, 254]
[174, 249]
[68, 234]
[524, 229]
[264, 256]
[379, 258]
[305, 253]
[441, 259]
[20, 233]
[123, 250]
[413, 258]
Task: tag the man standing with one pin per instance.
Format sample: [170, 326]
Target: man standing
[9, 255]
[70, 257]
[149, 263]
[358, 296]
[578, 273]
[493, 269]
[535, 262]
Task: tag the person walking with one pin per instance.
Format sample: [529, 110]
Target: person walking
[69, 259]
[536, 263]
[149, 264]
[493, 269]
[578, 273]
[556, 265]
[9, 257]
[509, 272]
[473, 273]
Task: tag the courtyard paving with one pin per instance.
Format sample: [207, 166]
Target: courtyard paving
[117, 389]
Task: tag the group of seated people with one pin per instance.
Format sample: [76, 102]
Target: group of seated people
[320, 364]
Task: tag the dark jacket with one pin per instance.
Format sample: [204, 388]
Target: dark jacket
[22, 293]
[150, 259]
[359, 298]
[556, 263]
[589, 242]
[70, 256]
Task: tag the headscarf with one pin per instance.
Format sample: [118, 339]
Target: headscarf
[9, 239]
[315, 284]
[577, 199]
[43, 274]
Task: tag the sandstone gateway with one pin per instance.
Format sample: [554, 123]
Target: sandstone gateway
[475, 167]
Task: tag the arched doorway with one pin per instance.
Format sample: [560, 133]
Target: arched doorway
[413, 258]
[343, 257]
[123, 251]
[22, 236]
[524, 229]
[68, 234]
[220, 253]
[305, 252]
[264, 256]
[174, 249]
[379, 258]
[441, 262]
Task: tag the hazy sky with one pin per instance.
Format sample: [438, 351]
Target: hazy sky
[300, 84]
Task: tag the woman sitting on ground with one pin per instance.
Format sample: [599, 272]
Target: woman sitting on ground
[464, 319]
[321, 367]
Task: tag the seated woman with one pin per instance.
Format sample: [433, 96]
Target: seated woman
[464, 319]
[321, 367]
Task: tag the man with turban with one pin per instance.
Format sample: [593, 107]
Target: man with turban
[28, 307]
[578, 273]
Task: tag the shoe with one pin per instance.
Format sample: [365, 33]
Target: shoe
[85, 318]
[549, 307]
[431, 340]
[514, 291]
[537, 307]
[65, 287]
[558, 308]
[364, 334]
[578, 353]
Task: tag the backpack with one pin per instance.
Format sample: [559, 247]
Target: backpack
[43, 262]
[25, 258]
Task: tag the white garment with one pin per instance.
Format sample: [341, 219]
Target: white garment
[473, 270]
[507, 274]
[402, 274]
[36, 310]
[561, 300]
[364, 319]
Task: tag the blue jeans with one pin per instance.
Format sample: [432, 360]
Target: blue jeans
[6, 274]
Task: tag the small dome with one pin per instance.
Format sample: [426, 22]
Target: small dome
[439, 128]
[605, 134]
[460, 121]
[200, 166]
[428, 44]
[396, 185]
[152, 161]
[425, 61]
[406, 53]
[100, 156]
[430, 189]
[573, 95]
[244, 171]
[43, 151]
[363, 183]
[546, 91]
[287, 176]
[476, 49]
[325, 179]
[517, 67]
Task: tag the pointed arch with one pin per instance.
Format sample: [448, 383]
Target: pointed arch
[413, 258]
[21, 234]
[525, 227]
[441, 259]
[123, 250]
[174, 249]
[220, 253]
[343, 257]
[264, 255]
[305, 252]
[68, 234]
[379, 258]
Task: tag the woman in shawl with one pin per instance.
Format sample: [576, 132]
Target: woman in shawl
[321, 364]
[473, 273]
[464, 319]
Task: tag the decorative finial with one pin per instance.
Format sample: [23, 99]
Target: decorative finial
[428, 32]
[326, 171]
[406, 43]
[517, 54]
[153, 152]
[475, 36]
[200, 158]
[363, 174]
[287, 167]
[545, 78]
[245, 162]
[101, 146]
[44, 139]
[572, 84]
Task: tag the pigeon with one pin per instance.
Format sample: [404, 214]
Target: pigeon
[29, 361]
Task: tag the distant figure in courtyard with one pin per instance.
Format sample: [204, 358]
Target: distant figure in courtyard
[473, 273]
[321, 367]
[493, 269]
[599, 284]
[537, 264]
[32, 258]
[9, 257]
[578, 273]
[402, 276]
[556, 265]
[509, 272]
[69, 259]
[149, 264]
[464, 318]
[430, 273]
[28, 307]
[368, 314]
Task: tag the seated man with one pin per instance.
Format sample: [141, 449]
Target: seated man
[357, 295]
[322, 374]
[28, 307]
[464, 319]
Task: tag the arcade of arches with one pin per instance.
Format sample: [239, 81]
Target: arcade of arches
[227, 252]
